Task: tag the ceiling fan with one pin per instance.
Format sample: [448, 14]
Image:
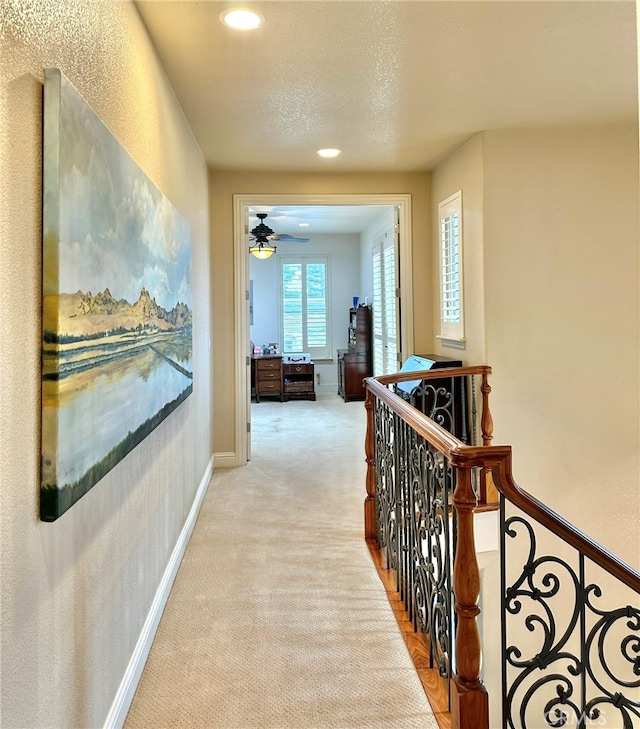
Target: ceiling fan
[263, 235]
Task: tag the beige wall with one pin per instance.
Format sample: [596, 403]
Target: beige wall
[223, 185]
[463, 170]
[562, 318]
[76, 592]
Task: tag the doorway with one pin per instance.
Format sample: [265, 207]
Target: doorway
[241, 205]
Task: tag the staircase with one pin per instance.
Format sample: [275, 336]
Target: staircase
[568, 620]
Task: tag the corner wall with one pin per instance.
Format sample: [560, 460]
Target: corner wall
[562, 320]
[463, 170]
[75, 593]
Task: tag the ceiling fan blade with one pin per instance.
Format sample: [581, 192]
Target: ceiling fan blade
[262, 232]
[290, 238]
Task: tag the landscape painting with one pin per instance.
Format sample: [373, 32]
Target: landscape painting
[117, 303]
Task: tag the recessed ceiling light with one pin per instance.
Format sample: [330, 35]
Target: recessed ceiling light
[242, 19]
[303, 225]
[329, 152]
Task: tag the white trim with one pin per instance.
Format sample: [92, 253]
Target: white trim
[451, 292]
[241, 316]
[452, 342]
[124, 696]
[241, 282]
[226, 460]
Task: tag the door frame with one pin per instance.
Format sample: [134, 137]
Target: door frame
[241, 285]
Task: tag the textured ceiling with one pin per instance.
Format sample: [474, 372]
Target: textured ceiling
[397, 85]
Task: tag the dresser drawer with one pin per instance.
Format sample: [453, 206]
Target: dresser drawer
[269, 386]
[268, 365]
[298, 369]
[268, 375]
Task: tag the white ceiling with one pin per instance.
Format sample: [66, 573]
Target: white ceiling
[396, 84]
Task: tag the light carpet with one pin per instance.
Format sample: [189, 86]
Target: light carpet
[277, 617]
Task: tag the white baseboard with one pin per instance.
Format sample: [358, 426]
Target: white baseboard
[226, 460]
[124, 696]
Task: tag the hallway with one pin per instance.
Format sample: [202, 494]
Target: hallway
[277, 617]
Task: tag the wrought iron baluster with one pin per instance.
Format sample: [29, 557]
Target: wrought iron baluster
[466, 435]
[559, 683]
[401, 471]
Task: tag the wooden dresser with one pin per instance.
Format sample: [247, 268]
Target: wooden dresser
[356, 362]
[268, 376]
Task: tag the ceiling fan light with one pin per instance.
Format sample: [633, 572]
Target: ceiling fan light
[242, 19]
[329, 152]
[263, 234]
[262, 251]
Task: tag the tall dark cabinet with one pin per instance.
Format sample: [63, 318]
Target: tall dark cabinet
[356, 362]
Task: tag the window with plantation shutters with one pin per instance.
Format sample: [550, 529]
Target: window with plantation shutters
[304, 305]
[451, 280]
[385, 338]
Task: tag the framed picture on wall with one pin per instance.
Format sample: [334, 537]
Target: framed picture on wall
[117, 304]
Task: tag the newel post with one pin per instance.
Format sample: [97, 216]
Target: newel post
[487, 419]
[370, 531]
[468, 695]
[488, 492]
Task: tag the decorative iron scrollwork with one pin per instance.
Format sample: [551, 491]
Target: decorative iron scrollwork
[436, 402]
[385, 482]
[413, 487]
[431, 557]
[581, 666]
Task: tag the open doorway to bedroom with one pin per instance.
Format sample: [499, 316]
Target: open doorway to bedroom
[336, 251]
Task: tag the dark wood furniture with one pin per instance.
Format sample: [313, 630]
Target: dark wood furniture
[297, 380]
[356, 362]
[268, 376]
[446, 397]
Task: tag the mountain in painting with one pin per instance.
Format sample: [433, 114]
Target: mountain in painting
[85, 315]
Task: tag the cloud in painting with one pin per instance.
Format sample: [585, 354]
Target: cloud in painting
[126, 241]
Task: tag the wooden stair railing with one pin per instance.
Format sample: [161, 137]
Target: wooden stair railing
[468, 698]
[598, 646]
[488, 496]
[406, 427]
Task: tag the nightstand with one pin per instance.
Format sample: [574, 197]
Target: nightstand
[298, 381]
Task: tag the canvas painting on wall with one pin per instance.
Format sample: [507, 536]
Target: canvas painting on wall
[117, 304]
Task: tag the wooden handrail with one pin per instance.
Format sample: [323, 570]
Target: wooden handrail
[433, 374]
[423, 425]
[499, 459]
[468, 697]
[488, 493]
